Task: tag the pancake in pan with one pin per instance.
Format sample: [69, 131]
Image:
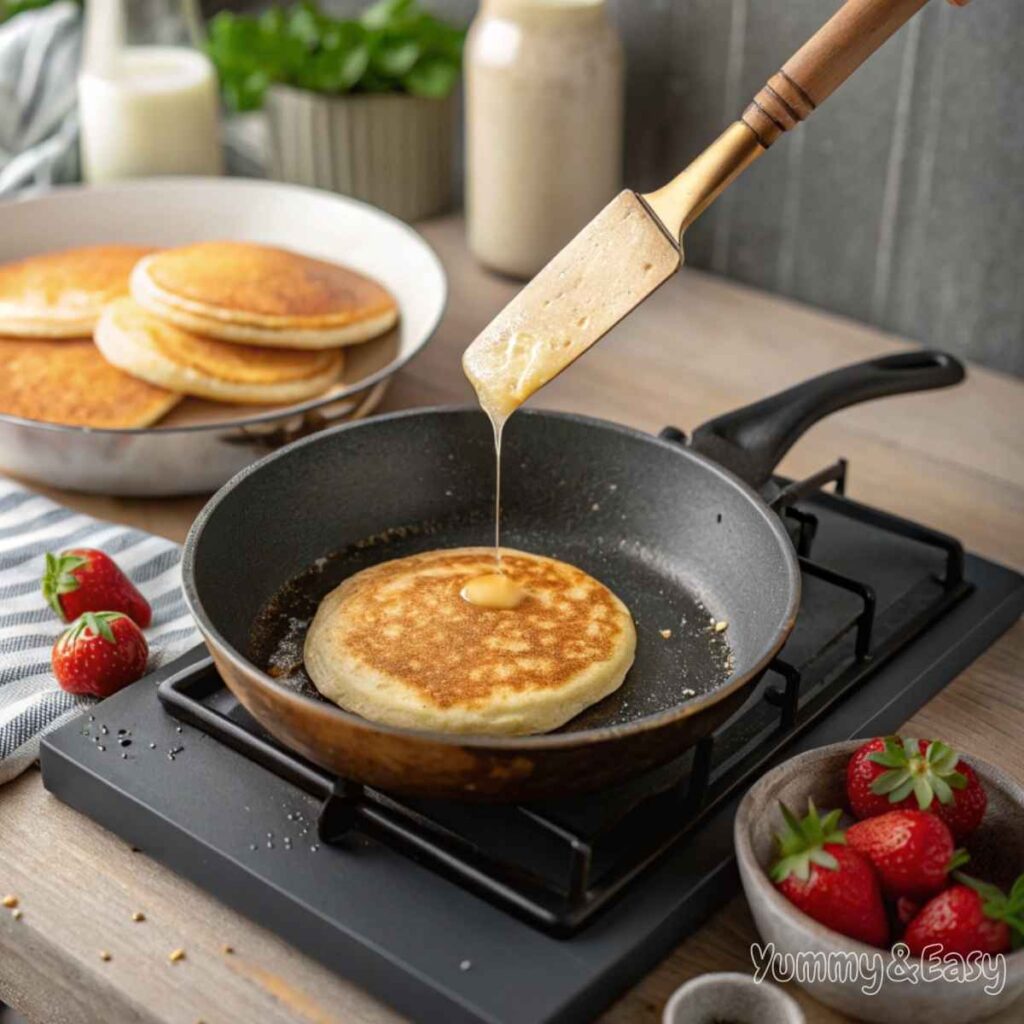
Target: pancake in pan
[259, 295]
[69, 382]
[60, 294]
[396, 643]
[153, 350]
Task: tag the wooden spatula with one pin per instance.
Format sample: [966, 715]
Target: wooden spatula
[635, 243]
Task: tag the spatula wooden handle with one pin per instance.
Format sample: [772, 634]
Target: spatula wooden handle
[824, 62]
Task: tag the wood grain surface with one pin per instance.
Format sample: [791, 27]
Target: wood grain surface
[700, 346]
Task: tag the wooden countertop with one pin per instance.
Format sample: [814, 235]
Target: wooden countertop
[700, 346]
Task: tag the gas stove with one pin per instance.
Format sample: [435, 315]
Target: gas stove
[541, 913]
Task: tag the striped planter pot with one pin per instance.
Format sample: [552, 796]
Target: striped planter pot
[388, 149]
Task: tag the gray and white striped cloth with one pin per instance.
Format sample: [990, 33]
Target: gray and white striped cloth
[31, 702]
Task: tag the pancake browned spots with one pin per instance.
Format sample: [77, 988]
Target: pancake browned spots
[408, 620]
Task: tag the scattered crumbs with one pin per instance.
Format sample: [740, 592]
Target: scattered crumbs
[613, 487]
[666, 633]
[138, 916]
[722, 626]
[16, 913]
[175, 955]
[718, 518]
[10, 901]
[596, 507]
[465, 965]
[227, 950]
[104, 955]
[687, 692]
[152, 746]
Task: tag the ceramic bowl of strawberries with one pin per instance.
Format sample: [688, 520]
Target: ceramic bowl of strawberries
[887, 878]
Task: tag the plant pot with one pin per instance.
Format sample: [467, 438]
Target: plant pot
[388, 149]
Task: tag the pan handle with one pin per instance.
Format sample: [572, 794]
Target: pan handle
[752, 441]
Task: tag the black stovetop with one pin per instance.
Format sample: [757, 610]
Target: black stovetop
[527, 914]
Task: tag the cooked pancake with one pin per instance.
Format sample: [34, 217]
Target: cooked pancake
[69, 382]
[153, 350]
[397, 643]
[60, 294]
[242, 292]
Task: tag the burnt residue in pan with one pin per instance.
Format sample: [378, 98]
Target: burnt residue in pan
[679, 655]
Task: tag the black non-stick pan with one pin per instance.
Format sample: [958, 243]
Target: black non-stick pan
[681, 532]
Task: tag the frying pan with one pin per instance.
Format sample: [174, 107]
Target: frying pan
[681, 532]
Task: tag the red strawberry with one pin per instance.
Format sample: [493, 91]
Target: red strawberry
[835, 885]
[973, 917]
[99, 653]
[892, 772]
[912, 851]
[86, 580]
[906, 911]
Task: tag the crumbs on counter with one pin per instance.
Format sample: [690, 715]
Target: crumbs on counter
[666, 633]
[138, 916]
[175, 955]
[10, 901]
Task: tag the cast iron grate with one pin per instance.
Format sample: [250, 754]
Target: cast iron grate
[558, 864]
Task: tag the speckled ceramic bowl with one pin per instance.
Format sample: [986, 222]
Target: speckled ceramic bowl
[997, 854]
[733, 997]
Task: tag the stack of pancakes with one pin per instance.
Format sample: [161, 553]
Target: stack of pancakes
[116, 335]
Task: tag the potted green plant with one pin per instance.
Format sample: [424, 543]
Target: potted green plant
[362, 107]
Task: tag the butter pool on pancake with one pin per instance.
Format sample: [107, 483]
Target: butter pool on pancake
[163, 354]
[398, 644]
[69, 382]
[61, 294]
[260, 295]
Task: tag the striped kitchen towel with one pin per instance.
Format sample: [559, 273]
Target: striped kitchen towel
[31, 702]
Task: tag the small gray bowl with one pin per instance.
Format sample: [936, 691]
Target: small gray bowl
[733, 997]
[997, 855]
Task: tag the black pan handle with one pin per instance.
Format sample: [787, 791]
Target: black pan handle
[752, 441]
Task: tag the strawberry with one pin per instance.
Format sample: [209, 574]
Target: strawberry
[906, 910]
[99, 653]
[827, 880]
[86, 580]
[972, 917]
[887, 773]
[912, 852]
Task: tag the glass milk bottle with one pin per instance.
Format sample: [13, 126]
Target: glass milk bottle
[148, 101]
[544, 108]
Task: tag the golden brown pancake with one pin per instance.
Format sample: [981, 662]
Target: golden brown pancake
[397, 643]
[260, 295]
[69, 382]
[163, 354]
[60, 294]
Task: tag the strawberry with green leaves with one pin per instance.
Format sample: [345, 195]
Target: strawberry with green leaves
[99, 654]
[818, 873]
[971, 917]
[912, 852]
[88, 580]
[928, 775]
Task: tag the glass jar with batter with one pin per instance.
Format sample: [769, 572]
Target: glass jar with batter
[544, 108]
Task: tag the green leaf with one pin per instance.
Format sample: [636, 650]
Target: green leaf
[387, 13]
[923, 792]
[901, 792]
[396, 58]
[433, 78]
[801, 843]
[888, 781]
[958, 860]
